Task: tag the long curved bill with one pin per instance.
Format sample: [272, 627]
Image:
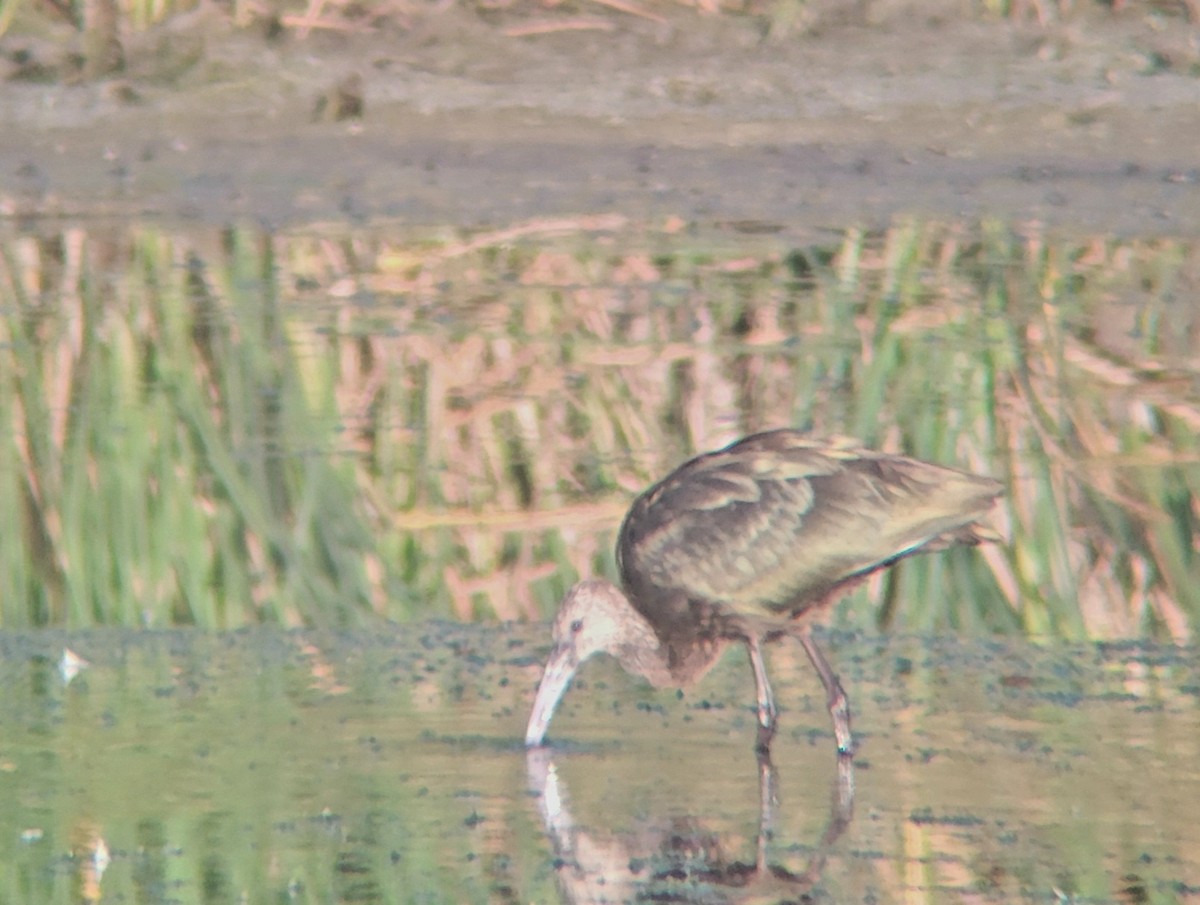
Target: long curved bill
[560, 668]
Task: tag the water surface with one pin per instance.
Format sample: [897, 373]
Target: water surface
[387, 767]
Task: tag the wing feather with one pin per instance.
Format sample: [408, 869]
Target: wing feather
[777, 520]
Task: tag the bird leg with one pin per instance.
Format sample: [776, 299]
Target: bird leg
[762, 688]
[839, 704]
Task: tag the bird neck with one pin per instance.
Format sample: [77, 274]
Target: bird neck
[639, 649]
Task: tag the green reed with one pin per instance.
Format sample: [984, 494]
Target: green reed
[237, 428]
[163, 470]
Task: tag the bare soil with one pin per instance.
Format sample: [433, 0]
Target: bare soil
[863, 114]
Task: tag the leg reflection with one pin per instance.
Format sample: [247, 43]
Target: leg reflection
[675, 856]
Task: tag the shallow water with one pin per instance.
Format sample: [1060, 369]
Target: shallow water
[387, 767]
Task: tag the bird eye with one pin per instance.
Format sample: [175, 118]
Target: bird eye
[577, 626]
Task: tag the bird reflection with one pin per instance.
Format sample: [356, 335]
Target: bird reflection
[680, 859]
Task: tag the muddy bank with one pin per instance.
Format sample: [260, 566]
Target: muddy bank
[1090, 125]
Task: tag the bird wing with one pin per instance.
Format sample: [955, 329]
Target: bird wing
[775, 522]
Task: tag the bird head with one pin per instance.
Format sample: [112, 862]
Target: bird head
[595, 617]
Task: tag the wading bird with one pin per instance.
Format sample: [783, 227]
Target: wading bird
[751, 543]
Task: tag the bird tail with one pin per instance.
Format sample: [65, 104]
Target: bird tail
[969, 535]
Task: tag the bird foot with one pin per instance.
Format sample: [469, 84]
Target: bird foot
[846, 744]
[839, 711]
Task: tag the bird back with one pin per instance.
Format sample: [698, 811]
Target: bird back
[777, 522]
